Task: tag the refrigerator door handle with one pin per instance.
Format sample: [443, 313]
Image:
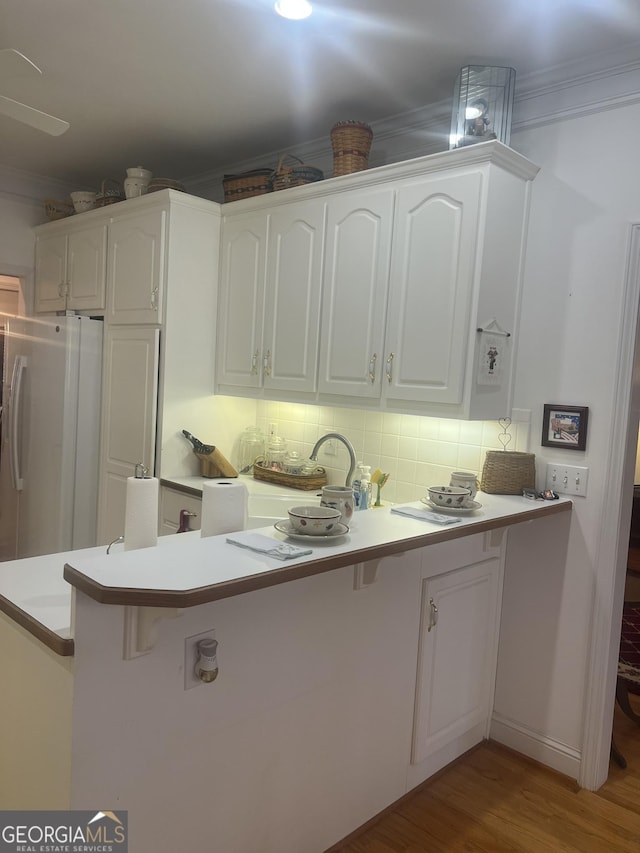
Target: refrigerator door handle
[15, 408]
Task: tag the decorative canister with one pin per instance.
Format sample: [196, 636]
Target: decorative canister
[339, 497]
[465, 480]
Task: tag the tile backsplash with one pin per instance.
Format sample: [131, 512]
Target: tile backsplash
[416, 451]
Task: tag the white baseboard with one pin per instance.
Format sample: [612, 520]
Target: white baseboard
[552, 753]
[418, 773]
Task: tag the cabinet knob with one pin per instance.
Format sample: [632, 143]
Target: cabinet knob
[388, 370]
[433, 614]
[254, 363]
[266, 366]
[372, 367]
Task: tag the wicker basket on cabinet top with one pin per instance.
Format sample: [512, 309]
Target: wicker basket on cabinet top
[351, 143]
[247, 184]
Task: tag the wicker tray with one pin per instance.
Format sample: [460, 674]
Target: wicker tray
[293, 175]
[56, 208]
[307, 482]
[508, 472]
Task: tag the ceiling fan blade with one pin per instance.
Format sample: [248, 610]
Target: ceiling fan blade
[32, 116]
[15, 64]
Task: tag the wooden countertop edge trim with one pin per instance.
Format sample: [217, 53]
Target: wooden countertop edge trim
[283, 574]
[59, 645]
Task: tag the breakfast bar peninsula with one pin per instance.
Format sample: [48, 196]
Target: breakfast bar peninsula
[347, 676]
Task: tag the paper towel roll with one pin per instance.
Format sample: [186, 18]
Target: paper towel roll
[141, 513]
[224, 507]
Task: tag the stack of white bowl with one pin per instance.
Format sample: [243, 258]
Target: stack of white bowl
[136, 182]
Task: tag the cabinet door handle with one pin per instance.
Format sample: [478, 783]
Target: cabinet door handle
[63, 288]
[433, 615]
[254, 363]
[372, 367]
[388, 370]
[266, 365]
[154, 298]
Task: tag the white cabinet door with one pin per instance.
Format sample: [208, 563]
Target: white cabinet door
[50, 272]
[432, 274]
[269, 310]
[292, 297]
[456, 657]
[129, 405]
[136, 268]
[70, 269]
[86, 268]
[356, 276]
[241, 307]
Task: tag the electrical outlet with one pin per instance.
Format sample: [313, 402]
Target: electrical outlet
[330, 447]
[191, 657]
[567, 479]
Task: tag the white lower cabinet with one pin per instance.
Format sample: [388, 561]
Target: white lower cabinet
[456, 659]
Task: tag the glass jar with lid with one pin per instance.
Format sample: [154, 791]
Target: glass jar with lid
[275, 453]
[251, 448]
[293, 463]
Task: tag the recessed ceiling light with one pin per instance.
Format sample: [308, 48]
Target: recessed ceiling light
[294, 9]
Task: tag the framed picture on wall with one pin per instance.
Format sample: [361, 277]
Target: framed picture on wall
[565, 426]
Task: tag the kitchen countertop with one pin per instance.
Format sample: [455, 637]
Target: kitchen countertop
[187, 570]
[209, 569]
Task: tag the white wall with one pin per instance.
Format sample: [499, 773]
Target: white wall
[583, 202]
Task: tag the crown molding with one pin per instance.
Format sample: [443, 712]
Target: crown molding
[28, 188]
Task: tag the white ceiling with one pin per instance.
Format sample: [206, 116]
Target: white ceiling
[187, 87]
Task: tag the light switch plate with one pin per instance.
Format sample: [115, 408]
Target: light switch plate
[567, 479]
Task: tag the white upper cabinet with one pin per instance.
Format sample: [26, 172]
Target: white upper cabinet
[242, 285]
[435, 243]
[356, 280]
[136, 268]
[420, 282]
[268, 332]
[70, 268]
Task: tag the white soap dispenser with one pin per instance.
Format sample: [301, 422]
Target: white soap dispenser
[365, 487]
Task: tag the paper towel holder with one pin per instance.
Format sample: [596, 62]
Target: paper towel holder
[140, 471]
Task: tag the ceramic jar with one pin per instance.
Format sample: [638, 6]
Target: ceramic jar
[465, 480]
[136, 182]
[339, 497]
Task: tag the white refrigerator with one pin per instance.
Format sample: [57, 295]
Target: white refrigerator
[50, 435]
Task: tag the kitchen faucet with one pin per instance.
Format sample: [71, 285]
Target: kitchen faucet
[347, 444]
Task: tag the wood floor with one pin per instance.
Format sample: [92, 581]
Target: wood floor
[495, 801]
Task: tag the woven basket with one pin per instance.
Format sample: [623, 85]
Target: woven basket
[351, 143]
[293, 176]
[247, 184]
[508, 472]
[294, 481]
[57, 208]
[109, 194]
